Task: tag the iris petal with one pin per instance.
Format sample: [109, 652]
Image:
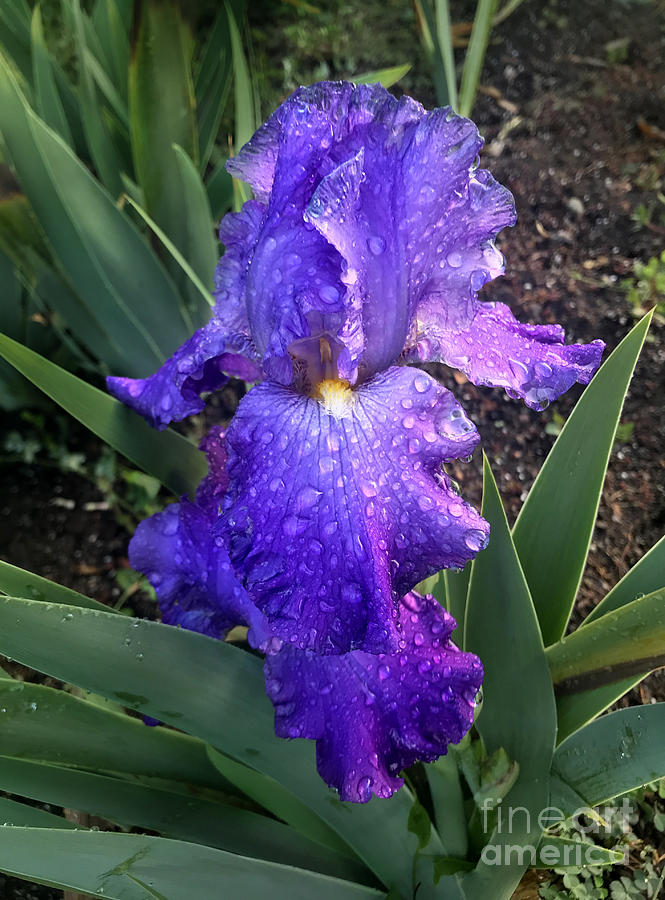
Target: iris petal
[373, 715]
[190, 570]
[338, 506]
[490, 346]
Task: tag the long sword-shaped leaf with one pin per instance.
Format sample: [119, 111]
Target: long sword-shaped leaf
[167, 455]
[14, 813]
[475, 55]
[645, 577]
[212, 85]
[554, 528]
[613, 755]
[107, 161]
[134, 867]
[48, 725]
[173, 814]
[387, 77]
[622, 643]
[246, 117]
[112, 33]
[502, 628]
[211, 690]
[445, 42]
[162, 113]
[48, 99]
[21, 583]
[277, 800]
[114, 271]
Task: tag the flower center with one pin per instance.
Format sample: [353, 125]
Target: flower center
[336, 397]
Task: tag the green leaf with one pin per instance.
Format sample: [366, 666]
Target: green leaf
[16, 392]
[575, 710]
[114, 271]
[457, 589]
[200, 685]
[277, 800]
[131, 866]
[48, 725]
[20, 583]
[206, 261]
[428, 37]
[475, 55]
[609, 757]
[100, 142]
[646, 576]
[14, 813]
[48, 99]
[161, 68]
[246, 113]
[212, 85]
[620, 644]
[387, 77]
[445, 45]
[420, 824]
[167, 455]
[501, 627]
[15, 36]
[562, 853]
[173, 812]
[448, 802]
[554, 527]
[112, 34]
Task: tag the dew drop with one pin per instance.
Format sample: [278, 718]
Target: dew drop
[328, 293]
[365, 788]
[475, 540]
[421, 383]
[376, 244]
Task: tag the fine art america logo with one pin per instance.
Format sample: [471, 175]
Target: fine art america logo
[519, 823]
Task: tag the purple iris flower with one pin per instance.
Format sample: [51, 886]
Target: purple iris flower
[371, 233]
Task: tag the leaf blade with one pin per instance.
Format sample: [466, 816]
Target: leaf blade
[167, 455]
[517, 685]
[554, 528]
[216, 683]
[120, 863]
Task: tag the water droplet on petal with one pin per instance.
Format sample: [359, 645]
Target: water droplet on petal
[476, 540]
[376, 244]
[421, 383]
[329, 294]
[365, 788]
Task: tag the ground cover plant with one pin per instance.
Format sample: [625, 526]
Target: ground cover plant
[378, 687]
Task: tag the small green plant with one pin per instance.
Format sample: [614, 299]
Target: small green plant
[623, 826]
[645, 290]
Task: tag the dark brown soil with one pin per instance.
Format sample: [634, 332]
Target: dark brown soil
[562, 129]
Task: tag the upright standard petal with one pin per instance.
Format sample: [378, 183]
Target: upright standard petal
[373, 715]
[338, 505]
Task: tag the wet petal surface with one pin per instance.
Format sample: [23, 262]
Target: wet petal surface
[372, 716]
[491, 347]
[338, 506]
